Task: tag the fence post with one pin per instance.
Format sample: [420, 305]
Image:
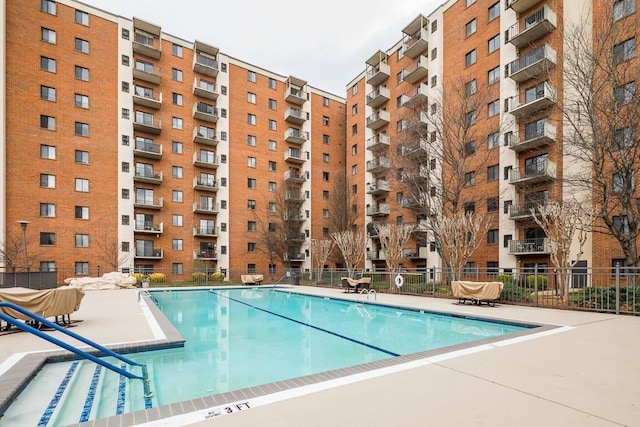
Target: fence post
[618, 288]
[535, 283]
[433, 282]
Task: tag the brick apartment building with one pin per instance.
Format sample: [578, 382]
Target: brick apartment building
[127, 147]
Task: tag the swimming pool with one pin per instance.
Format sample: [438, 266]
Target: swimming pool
[245, 337]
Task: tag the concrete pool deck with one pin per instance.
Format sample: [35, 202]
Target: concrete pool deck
[585, 374]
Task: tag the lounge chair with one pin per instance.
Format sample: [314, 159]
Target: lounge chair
[58, 303]
[251, 279]
[477, 292]
[355, 285]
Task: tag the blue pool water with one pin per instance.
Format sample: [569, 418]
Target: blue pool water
[238, 338]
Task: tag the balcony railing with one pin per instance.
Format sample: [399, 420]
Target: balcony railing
[417, 71]
[531, 101]
[295, 136]
[205, 112]
[531, 28]
[295, 116]
[415, 97]
[378, 96]
[204, 89]
[297, 237]
[147, 72]
[532, 64]
[378, 141]
[378, 119]
[379, 164]
[538, 137]
[205, 208]
[148, 227]
[541, 171]
[204, 135]
[294, 176]
[379, 209]
[527, 210]
[417, 148]
[375, 255]
[205, 231]
[295, 256]
[147, 149]
[379, 187]
[529, 247]
[149, 253]
[148, 124]
[205, 184]
[149, 177]
[148, 203]
[295, 95]
[294, 156]
[294, 196]
[205, 254]
[147, 97]
[205, 160]
[205, 65]
[416, 43]
[378, 73]
[147, 45]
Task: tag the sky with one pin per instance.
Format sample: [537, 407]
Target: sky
[325, 42]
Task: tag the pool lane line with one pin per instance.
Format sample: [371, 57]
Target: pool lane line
[353, 340]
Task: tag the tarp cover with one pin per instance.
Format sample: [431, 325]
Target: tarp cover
[251, 278]
[113, 280]
[480, 291]
[45, 303]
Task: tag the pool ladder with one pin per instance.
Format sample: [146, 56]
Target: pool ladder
[367, 292]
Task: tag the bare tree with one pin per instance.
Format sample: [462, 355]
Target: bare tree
[12, 252]
[340, 204]
[601, 111]
[393, 238]
[320, 251]
[352, 245]
[563, 223]
[110, 251]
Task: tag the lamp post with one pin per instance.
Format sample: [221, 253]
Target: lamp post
[23, 225]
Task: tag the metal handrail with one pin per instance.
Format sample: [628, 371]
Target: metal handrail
[66, 346]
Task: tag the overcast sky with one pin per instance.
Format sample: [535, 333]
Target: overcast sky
[325, 42]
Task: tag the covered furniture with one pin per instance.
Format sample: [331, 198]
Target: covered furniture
[355, 285]
[251, 279]
[60, 302]
[477, 292]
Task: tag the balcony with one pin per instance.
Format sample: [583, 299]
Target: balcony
[148, 177]
[147, 44]
[530, 101]
[147, 124]
[538, 137]
[416, 36]
[205, 254]
[149, 253]
[378, 165]
[295, 116]
[416, 97]
[542, 171]
[418, 71]
[532, 64]
[411, 254]
[417, 123]
[210, 185]
[144, 203]
[529, 247]
[296, 136]
[295, 256]
[378, 119]
[206, 136]
[379, 188]
[377, 69]
[148, 150]
[205, 208]
[205, 160]
[376, 255]
[205, 112]
[205, 231]
[381, 209]
[295, 92]
[147, 97]
[295, 217]
[527, 210]
[294, 176]
[379, 141]
[148, 227]
[294, 156]
[205, 89]
[533, 27]
[410, 202]
[296, 237]
[520, 6]
[147, 72]
[378, 96]
[206, 65]
[417, 148]
[294, 197]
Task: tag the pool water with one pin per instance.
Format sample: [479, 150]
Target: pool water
[237, 338]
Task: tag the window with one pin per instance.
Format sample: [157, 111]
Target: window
[621, 224]
[325, 157]
[325, 120]
[273, 187]
[494, 75]
[624, 94]
[325, 101]
[507, 172]
[47, 210]
[251, 204]
[273, 145]
[251, 162]
[272, 207]
[251, 119]
[325, 176]
[48, 6]
[82, 240]
[82, 45]
[493, 109]
[354, 129]
[354, 169]
[434, 53]
[251, 247]
[354, 109]
[82, 185]
[125, 34]
[82, 101]
[176, 74]
[470, 207]
[434, 81]
[251, 76]
[47, 152]
[48, 35]
[273, 125]
[81, 268]
[176, 220]
[493, 140]
[536, 165]
[434, 26]
[176, 50]
[470, 148]
[325, 195]
[48, 64]
[623, 182]
[48, 93]
[622, 8]
[470, 118]
[251, 140]
[47, 122]
[354, 89]
[470, 27]
[47, 266]
[623, 138]
[82, 18]
[272, 166]
[273, 104]
[251, 183]
[354, 149]
[47, 181]
[493, 237]
[176, 147]
[470, 58]
[493, 204]
[494, 43]
[176, 122]
[251, 97]
[176, 196]
[82, 73]
[82, 212]
[47, 239]
[470, 87]
[469, 179]
[177, 98]
[493, 172]
[272, 83]
[82, 157]
[176, 171]
[125, 60]
[625, 50]
[494, 11]
[82, 129]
